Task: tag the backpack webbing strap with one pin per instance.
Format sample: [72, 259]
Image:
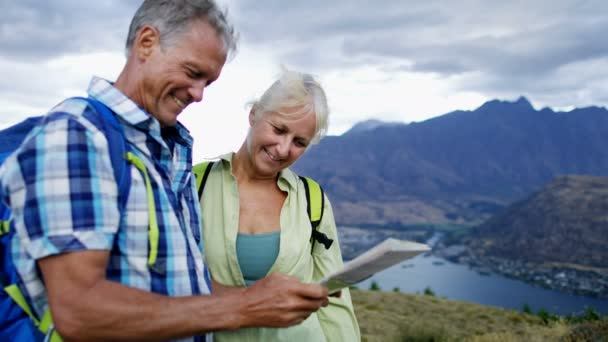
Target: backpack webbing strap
[44, 324]
[117, 147]
[16, 295]
[153, 231]
[4, 227]
[201, 172]
[315, 202]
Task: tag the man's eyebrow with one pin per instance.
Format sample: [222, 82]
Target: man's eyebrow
[194, 67]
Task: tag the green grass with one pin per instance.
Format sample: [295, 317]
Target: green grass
[393, 316]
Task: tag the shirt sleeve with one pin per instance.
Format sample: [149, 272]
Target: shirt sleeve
[61, 188]
[338, 319]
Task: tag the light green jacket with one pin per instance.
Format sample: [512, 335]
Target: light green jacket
[220, 210]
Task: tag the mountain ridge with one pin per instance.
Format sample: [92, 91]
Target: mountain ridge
[459, 167]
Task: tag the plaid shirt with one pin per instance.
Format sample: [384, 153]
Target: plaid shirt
[62, 190]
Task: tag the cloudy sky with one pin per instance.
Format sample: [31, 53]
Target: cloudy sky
[393, 60]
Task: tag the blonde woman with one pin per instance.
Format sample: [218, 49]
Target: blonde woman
[255, 219]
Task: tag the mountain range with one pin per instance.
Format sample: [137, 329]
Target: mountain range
[458, 168]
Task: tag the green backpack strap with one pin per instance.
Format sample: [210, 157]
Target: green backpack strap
[201, 172]
[44, 325]
[4, 227]
[315, 202]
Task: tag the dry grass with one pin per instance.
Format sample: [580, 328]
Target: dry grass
[390, 316]
[589, 331]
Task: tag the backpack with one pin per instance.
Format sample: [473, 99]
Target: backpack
[17, 321]
[315, 200]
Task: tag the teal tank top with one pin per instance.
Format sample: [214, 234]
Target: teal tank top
[256, 253]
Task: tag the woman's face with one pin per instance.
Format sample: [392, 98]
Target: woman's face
[276, 141]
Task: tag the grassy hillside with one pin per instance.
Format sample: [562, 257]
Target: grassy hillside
[392, 316]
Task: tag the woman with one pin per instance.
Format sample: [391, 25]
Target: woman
[254, 211]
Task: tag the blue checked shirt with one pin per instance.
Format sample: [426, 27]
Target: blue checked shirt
[64, 196]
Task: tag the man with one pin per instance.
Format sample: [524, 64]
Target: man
[86, 260]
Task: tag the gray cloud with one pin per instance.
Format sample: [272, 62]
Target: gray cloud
[500, 47]
[581, 83]
[448, 37]
[309, 21]
[38, 30]
[31, 89]
[552, 51]
[523, 53]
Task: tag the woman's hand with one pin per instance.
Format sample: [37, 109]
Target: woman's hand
[336, 294]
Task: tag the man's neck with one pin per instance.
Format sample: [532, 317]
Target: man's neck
[127, 82]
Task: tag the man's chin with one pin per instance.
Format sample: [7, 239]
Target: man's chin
[168, 120]
[166, 123]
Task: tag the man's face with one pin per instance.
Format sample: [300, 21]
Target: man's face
[176, 74]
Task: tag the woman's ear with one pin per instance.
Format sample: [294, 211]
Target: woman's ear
[252, 116]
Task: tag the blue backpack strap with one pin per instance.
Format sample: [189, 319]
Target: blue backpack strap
[117, 146]
[13, 136]
[122, 156]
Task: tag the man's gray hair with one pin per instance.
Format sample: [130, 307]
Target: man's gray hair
[172, 17]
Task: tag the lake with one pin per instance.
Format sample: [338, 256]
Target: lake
[458, 282]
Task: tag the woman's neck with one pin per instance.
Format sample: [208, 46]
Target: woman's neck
[243, 170]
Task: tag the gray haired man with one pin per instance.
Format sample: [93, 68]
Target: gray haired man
[99, 267]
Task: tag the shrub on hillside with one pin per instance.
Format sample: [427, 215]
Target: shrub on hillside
[589, 315]
[374, 286]
[588, 331]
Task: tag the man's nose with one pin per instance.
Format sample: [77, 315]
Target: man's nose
[196, 91]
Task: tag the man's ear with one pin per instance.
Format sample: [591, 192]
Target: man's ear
[146, 41]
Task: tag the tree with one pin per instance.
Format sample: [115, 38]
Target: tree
[374, 286]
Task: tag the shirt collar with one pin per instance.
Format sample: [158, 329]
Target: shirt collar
[129, 111]
[286, 175]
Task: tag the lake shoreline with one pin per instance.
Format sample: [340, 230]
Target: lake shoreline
[570, 280]
[473, 282]
[576, 281]
[447, 279]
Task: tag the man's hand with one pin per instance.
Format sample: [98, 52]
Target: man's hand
[281, 301]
